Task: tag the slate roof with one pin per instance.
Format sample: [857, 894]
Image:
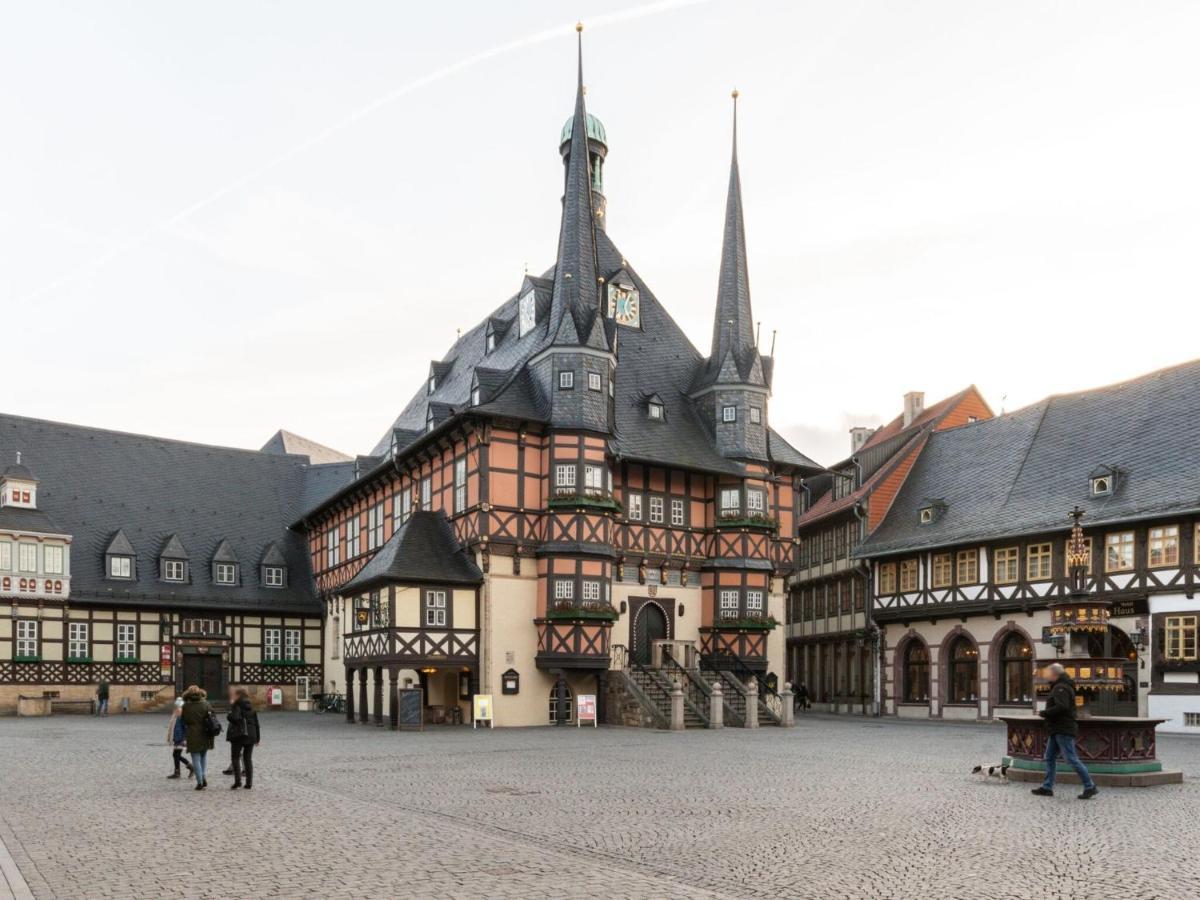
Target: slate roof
[285, 442]
[423, 550]
[32, 521]
[1021, 473]
[160, 494]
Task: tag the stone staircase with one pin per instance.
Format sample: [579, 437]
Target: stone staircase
[655, 686]
[735, 694]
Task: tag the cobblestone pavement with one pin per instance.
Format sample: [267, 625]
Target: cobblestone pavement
[833, 808]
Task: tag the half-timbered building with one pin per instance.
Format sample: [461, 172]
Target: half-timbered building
[573, 483]
[832, 645]
[973, 548]
[152, 564]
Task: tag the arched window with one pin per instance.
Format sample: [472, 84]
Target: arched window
[1016, 663]
[916, 673]
[964, 671]
[554, 705]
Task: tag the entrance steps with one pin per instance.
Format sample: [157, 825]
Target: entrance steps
[641, 697]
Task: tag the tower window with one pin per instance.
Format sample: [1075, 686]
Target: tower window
[729, 414]
[594, 381]
[655, 410]
[566, 381]
[755, 415]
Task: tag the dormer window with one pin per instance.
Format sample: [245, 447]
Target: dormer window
[273, 576]
[655, 410]
[120, 567]
[224, 565]
[429, 420]
[489, 343]
[432, 385]
[930, 511]
[527, 314]
[225, 573]
[926, 515]
[475, 395]
[1102, 485]
[173, 561]
[174, 570]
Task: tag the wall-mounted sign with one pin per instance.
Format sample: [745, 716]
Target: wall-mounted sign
[482, 710]
[165, 656]
[510, 682]
[586, 711]
[1134, 606]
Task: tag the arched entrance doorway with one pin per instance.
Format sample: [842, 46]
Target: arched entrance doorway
[1113, 643]
[649, 626]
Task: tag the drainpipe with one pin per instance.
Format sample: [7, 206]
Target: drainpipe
[863, 570]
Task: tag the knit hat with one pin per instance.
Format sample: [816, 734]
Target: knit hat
[179, 703]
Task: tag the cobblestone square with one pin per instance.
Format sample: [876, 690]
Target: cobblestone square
[832, 808]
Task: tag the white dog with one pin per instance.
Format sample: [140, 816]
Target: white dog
[992, 770]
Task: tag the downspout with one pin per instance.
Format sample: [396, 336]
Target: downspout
[863, 570]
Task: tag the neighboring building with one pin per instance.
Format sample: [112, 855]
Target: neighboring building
[972, 550]
[152, 564]
[831, 644]
[572, 482]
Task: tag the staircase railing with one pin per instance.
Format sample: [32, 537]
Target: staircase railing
[767, 695]
[692, 687]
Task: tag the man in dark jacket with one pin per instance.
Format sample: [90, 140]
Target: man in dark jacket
[1063, 728]
[243, 735]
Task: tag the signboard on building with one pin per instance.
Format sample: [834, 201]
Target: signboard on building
[586, 711]
[165, 656]
[482, 710]
[1132, 606]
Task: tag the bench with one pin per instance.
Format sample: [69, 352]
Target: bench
[86, 707]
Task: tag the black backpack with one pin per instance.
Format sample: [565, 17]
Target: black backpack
[211, 726]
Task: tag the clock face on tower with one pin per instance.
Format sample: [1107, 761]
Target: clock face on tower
[624, 305]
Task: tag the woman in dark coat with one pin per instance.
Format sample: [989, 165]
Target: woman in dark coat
[243, 735]
[195, 710]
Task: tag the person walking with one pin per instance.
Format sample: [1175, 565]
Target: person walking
[102, 698]
[177, 739]
[1063, 728]
[802, 696]
[196, 710]
[243, 735]
[230, 698]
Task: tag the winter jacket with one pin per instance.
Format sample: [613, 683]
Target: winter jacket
[195, 710]
[243, 724]
[176, 730]
[1060, 712]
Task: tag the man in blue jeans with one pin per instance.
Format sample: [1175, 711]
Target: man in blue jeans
[1063, 726]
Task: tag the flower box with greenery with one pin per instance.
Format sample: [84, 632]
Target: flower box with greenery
[1176, 665]
[27, 659]
[79, 659]
[570, 609]
[747, 623]
[127, 660]
[593, 501]
[283, 662]
[747, 522]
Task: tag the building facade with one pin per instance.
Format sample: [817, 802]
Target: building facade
[573, 482]
[974, 546]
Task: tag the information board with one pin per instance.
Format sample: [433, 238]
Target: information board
[411, 706]
[586, 711]
[482, 708]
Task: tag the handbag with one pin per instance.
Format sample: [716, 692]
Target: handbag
[211, 726]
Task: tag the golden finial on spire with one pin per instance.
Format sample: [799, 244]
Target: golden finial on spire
[734, 95]
[578, 27]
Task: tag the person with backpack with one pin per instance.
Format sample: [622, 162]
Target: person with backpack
[243, 736]
[177, 739]
[201, 726]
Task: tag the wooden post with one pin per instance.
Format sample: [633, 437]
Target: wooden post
[379, 696]
[716, 711]
[393, 699]
[349, 695]
[677, 723]
[752, 703]
[363, 710]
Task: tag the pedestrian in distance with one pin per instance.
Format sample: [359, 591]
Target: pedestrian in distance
[102, 698]
[198, 732]
[802, 696]
[243, 735]
[230, 698]
[1063, 727]
[177, 739]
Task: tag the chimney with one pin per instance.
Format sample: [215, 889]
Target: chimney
[859, 435]
[914, 405]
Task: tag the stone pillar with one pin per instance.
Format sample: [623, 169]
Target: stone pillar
[752, 703]
[716, 707]
[788, 717]
[602, 697]
[677, 723]
[349, 695]
[363, 709]
[562, 707]
[379, 696]
[393, 699]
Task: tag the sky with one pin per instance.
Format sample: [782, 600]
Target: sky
[218, 220]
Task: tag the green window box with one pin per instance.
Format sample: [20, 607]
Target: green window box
[79, 659]
[284, 662]
[27, 659]
[127, 660]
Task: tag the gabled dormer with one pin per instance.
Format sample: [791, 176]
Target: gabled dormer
[1104, 481]
[18, 487]
[226, 571]
[438, 373]
[173, 562]
[656, 409]
[272, 569]
[120, 560]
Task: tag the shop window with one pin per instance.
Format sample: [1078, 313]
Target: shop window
[916, 673]
[964, 671]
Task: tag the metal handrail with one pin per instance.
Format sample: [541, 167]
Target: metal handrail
[688, 697]
[767, 695]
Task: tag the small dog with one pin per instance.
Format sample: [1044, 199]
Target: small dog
[992, 770]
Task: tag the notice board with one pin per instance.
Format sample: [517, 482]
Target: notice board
[411, 706]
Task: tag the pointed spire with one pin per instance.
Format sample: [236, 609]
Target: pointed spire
[576, 269]
[733, 325]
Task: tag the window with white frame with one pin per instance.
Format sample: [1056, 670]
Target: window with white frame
[489, 342]
[333, 546]
[591, 589]
[273, 576]
[460, 484]
[78, 646]
[375, 526]
[173, 570]
[118, 566]
[676, 512]
[27, 638]
[755, 603]
[127, 641]
[731, 501]
[52, 559]
[353, 537]
[6, 556]
[655, 410]
[566, 381]
[564, 478]
[728, 413]
[226, 573]
[435, 609]
[755, 415]
[656, 509]
[633, 503]
[291, 645]
[401, 508]
[594, 382]
[731, 603]
[564, 589]
[755, 502]
[427, 493]
[593, 479]
[272, 646]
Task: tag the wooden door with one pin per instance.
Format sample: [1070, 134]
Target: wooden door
[204, 669]
[651, 626]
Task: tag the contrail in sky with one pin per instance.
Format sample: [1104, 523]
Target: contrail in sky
[538, 37]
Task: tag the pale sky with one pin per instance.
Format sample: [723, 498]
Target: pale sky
[211, 229]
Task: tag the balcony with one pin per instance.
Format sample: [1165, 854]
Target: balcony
[575, 638]
[412, 647]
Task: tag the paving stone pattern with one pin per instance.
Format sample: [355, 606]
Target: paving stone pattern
[835, 808]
